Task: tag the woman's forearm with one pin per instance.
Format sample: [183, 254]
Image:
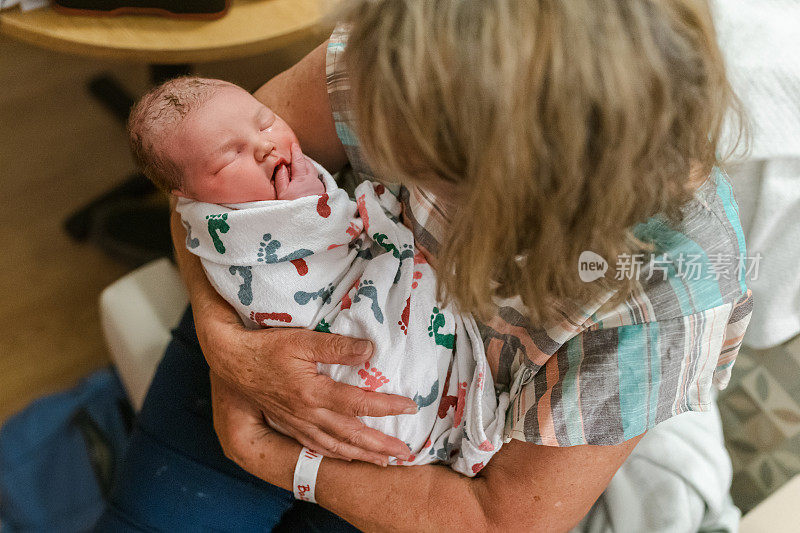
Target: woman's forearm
[525, 488]
[419, 498]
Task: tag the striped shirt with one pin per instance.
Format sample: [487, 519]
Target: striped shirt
[605, 373]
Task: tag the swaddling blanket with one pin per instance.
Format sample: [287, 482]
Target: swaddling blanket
[350, 267]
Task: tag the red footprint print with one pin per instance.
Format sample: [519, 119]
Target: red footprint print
[346, 300]
[403, 323]
[323, 208]
[486, 446]
[362, 211]
[448, 401]
[261, 318]
[460, 404]
[380, 189]
[419, 259]
[301, 266]
[373, 378]
[353, 231]
[477, 467]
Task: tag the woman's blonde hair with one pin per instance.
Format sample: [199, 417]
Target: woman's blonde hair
[563, 122]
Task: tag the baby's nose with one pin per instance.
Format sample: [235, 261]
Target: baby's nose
[264, 150]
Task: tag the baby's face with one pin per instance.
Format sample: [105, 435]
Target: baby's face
[229, 148]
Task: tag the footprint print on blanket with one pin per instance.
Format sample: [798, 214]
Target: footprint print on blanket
[367, 289]
[445, 452]
[261, 318]
[406, 251]
[445, 340]
[218, 224]
[419, 259]
[405, 316]
[191, 242]
[246, 288]
[303, 297]
[323, 326]
[373, 378]
[323, 209]
[425, 401]
[267, 253]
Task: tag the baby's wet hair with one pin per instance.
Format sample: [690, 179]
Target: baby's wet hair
[157, 113]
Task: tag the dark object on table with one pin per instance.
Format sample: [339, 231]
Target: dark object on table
[197, 9]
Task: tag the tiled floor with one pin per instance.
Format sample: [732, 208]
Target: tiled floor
[760, 412]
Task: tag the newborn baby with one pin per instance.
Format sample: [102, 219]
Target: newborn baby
[285, 246]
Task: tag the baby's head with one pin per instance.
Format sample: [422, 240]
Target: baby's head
[209, 140]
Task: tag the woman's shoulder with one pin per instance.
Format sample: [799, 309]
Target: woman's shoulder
[611, 370]
[697, 265]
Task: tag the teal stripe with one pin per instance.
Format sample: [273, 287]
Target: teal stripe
[725, 193]
[570, 399]
[655, 371]
[344, 132]
[335, 46]
[633, 379]
[703, 290]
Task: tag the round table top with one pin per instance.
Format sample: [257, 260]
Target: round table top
[249, 28]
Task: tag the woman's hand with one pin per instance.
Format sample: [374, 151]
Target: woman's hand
[277, 369]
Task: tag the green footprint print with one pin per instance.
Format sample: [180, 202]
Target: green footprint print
[437, 322]
[217, 223]
[380, 238]
[323, 326]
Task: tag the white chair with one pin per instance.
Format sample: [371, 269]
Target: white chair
[137, 313]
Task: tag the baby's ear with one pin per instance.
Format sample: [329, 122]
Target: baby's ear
[178, 193]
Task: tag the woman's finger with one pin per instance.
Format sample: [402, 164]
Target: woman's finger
[311, 434]
[304, 439]
[330, 433]
[353, 431]
[355, 401]
[341, 448]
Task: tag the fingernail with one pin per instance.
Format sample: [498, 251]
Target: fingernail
[410, 410]
[363, 348]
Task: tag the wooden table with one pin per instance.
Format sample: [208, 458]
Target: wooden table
[249, 28]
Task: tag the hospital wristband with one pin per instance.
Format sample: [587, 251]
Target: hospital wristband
[305, 475]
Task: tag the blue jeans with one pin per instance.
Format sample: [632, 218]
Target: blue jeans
[175, 476]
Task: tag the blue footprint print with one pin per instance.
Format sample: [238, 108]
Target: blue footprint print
[246, 288]
[432, 396]
[324, 294]
[368, 290]
[191, 242]
[217, 223]
[406, 252]
[267, 251]
[443, 453]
